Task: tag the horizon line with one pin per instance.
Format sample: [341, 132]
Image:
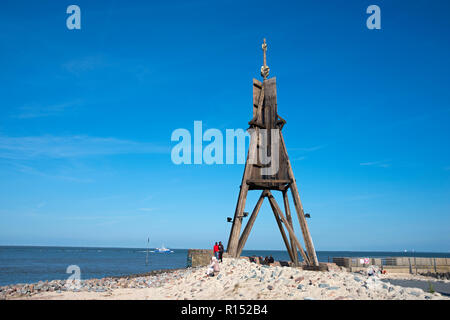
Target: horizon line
[99, 247]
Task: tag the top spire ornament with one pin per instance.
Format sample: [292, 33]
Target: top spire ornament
[264, 69]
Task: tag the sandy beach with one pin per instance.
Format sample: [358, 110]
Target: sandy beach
[237, 279]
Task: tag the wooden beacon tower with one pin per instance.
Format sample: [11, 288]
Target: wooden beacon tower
[267, 143]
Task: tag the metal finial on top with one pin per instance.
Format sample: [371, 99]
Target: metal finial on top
[264, 69]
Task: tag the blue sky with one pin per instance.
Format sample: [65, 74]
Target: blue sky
[86, 118]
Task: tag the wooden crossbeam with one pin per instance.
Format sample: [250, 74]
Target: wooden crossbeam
[272, 181]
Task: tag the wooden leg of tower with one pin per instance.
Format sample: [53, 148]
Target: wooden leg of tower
[289, 219]
[305, 230]
[250, 223]
[288, 227]
[237, 221]
[283, 234]
[299, 209]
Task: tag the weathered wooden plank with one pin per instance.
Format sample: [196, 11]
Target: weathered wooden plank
[258, 99]
[266, 187]
[270, 103]
[273, 181]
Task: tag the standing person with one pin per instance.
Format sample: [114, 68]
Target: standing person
[220, 250]
[216, 251]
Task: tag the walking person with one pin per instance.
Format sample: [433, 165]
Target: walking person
[216, 250]
[220, 251]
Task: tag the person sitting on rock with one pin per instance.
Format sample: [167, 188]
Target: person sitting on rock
[210, 271]
[213, 267]
[271, 259]
[215, 264]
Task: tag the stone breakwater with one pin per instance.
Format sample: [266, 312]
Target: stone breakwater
[438, 275]
[152, 279]
[237, 279]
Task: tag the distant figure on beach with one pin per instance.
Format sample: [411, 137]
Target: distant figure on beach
[271, 260]
[382, 271]
[220, 251]
[266, 260]
[216, 250]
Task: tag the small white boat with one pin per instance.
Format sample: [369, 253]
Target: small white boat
[162, 250]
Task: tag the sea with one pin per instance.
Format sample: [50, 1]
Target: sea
[30, 264]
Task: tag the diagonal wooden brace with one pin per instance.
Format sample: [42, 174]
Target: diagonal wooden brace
[288, 227]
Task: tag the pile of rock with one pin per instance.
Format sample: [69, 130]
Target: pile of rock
[237, 279]
[154, 279]
[439, 275]
[241, 279]
[322, 265]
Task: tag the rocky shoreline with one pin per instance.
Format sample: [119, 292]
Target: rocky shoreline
[438, 275]
[237, 279]
[151, 279]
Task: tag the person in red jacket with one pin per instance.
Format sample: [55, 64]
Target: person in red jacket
[216, 251]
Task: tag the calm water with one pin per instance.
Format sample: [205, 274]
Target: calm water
[33, 264]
